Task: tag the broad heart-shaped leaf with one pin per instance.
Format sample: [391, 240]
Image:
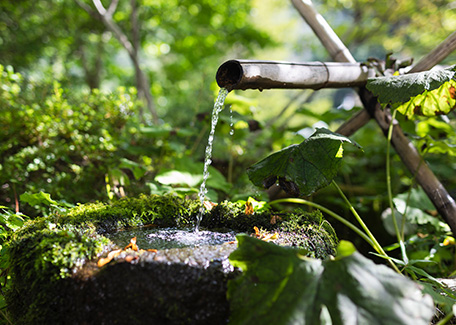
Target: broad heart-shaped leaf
[399, 89]
[302, 169]
[280, 286]
[439, 101]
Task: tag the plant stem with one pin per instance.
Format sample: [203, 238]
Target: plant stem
[388, 177]
[329, 212]
[446, 319]
[5, 317]
[375, 243]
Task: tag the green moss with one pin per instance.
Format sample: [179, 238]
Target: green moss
[40, 258]
[309, 231]
[46, 251]
[166, 210]
[232, 216]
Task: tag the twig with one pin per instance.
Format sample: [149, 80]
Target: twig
[112, 8]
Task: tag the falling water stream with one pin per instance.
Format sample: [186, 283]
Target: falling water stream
[218, 106]
[165, 238]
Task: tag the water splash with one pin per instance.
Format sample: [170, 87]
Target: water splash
[218, 106]
[165, 238]
[172, 237]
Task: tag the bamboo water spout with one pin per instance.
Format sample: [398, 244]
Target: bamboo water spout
[252, 74]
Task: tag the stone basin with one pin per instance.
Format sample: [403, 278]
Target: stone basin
[55, 278]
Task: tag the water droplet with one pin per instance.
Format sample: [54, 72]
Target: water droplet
[231, 122]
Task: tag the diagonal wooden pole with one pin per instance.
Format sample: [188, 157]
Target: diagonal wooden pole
[437, 55]
[340, 53]
[409, 155]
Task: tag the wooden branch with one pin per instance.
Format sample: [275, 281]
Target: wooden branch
[437, 55]
[106, 17]
[112, 8]
[436, 192]
[100, 8]
[336, 48]
[134, 25]
[356, 122]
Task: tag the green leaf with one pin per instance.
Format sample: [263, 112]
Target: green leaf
[414, 205]
[137, 169]
[177, 177]
[156, 131]
[302, 169]
[279, 286]
[217, 180]
[14, 222]
[437, 136]
[440, 101]
[37, 199]
[3, 234]
[345, 248]
[400, 89]
[440, 297]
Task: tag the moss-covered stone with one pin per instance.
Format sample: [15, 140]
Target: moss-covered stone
[54, 279]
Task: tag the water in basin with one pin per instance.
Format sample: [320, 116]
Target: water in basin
[164, 238]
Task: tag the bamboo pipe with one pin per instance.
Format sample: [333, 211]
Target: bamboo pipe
[252, 74]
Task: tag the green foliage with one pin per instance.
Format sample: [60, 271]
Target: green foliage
[181, 42]
[59, 142]
[9, 223]
[187, 177]
[407, 28]
[401, 89]
[427, 93]
[302, 169]
[279, 285]
[440, 101]
[427, 237]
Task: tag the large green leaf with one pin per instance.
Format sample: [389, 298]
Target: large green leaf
[302, 169]
[400, 89]
[280, 286]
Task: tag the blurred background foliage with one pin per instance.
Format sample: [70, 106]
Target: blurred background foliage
[73, 122]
